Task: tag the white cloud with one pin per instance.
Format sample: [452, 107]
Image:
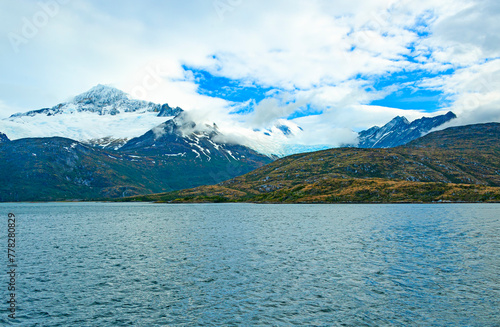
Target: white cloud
[269, 110]
[474, 92]
[323, 53]
[468, 36]
[278, 44]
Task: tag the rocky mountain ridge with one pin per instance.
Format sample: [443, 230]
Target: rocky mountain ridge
[3, 138]
[168, 157]
[400, 131]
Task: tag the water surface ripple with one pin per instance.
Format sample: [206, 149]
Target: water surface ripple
[102, 264]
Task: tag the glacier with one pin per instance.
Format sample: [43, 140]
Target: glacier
[101, 116]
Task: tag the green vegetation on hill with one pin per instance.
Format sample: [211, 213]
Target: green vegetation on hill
[456, 164]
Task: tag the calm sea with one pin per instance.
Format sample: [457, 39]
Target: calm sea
[102, 264]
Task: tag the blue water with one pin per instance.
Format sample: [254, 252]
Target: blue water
[101, 264]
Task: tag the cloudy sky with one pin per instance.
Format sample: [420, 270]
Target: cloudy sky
[330, 66]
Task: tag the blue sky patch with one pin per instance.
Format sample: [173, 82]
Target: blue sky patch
[226, 88]
[407, 94]
[305, 111]
[421, 26]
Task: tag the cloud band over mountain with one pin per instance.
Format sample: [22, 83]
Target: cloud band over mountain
[329, 67]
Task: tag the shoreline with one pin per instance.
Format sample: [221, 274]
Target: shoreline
[250, 202]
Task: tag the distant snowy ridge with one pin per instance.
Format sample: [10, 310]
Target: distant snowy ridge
[400, 131]
[181, 137]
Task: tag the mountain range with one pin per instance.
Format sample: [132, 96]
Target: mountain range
[49, 169]
[456, 164]
[103, 144]
[108, 118]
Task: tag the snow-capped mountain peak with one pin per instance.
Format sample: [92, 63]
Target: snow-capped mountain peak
[101, 95]
[104, 100]
[398, 120]
[102, 115]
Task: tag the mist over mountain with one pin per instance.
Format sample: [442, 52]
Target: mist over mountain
[107, 117]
